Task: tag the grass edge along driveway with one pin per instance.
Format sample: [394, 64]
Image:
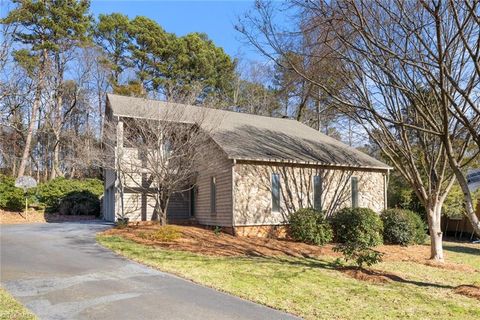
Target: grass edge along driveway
[11, 309]
[314, 288]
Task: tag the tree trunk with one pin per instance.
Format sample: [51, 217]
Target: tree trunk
[161, 204]
[163, 210]
[28, 141]
[31, 125]
[468, 200]
[434, 213]
[163, 216]
[58, 119]
[56, 158]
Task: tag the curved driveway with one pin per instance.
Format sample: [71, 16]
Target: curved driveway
[58, 271]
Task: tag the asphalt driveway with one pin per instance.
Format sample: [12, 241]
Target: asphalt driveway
[58, 271]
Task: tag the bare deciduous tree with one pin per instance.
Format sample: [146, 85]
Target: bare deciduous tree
[411, 79]
[159, 154]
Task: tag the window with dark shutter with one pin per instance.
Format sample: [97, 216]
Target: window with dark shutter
[275, 192]
[354, 192]
[317, 193]
[213, 195]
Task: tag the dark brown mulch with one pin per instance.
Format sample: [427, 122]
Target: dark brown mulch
[370, 275]
[199, 240]
[469, 291]
[203, 241]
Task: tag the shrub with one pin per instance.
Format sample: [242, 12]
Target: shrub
[403, 227]
[310, 226]
[53, 192]
[357, 231]
[162, 234]
[11, 197]
[79, 203]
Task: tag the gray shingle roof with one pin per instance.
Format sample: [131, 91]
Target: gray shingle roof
[250, 137]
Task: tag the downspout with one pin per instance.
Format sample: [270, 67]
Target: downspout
[386, 179]
[233, 197]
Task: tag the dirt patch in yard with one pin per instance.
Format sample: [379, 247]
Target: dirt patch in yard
[469, 291]
[370, 275]
[200, 240]
[10, 217]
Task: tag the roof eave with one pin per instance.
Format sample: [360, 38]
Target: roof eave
[312, 163]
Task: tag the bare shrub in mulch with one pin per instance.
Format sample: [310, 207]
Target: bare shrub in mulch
[469, 291]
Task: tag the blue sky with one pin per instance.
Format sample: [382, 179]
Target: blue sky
[215, 18]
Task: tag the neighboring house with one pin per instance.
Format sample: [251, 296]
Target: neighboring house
[262, 169]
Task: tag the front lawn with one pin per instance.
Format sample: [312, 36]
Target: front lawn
[314, 287]
[10, 309]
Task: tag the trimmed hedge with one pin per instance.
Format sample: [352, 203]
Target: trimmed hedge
[357, 231]
[66, 196]
[60, 193]
[80, 203]
[11, 197]
[309, 226]
[403, 227]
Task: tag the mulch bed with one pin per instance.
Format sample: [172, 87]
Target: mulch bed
[469, 291]
[200, 240]
[419, 254]
[9, 217]
[206, 242]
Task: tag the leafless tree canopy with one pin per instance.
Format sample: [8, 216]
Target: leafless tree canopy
[409, 75]
[159, 154]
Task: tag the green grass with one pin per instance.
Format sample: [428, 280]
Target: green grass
[11, 309]
[314, 289]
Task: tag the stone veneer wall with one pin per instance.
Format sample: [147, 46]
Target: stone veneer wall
[252, 190]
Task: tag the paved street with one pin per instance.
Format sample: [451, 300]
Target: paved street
[59, 272]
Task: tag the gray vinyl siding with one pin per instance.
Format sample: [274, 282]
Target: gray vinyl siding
[109, 178]
[216, 164]
[138, 209]
[219, 166]
[108, 205]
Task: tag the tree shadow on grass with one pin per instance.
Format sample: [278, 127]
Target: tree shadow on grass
[462, 249]
[373, 276]
[211, 248]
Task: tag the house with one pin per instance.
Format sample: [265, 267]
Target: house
[259, 170]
